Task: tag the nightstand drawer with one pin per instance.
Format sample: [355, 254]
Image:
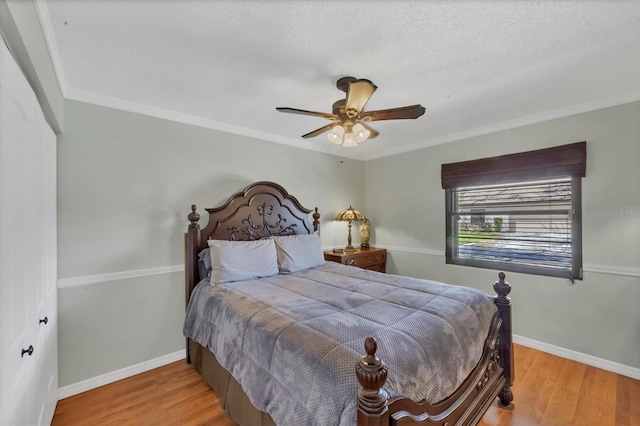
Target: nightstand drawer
[380, 267]
[366, 260]
[374, 258]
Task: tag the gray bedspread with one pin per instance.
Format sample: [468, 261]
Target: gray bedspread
[292, 341]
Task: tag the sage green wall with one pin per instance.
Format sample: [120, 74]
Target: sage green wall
[599, 315]
[125, 185]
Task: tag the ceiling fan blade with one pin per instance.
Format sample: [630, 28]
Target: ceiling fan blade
[372, 132]
[413, 111]
[359, 93]
[326, 115]
[320, 130]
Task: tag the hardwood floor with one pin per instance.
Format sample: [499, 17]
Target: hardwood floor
[548, 391]
[174, 394]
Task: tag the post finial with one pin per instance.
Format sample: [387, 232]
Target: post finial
[370, 347]
[316, 220]
[193, 217]
[503, 288]
[372, 375]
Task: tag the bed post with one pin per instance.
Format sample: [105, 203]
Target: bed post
[505, 349]
[191, 244]
[372, 398]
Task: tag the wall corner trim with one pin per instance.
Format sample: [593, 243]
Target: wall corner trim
[595, 269]
[123, 373]
[137, 273]
[414, 250]
[114, 276]
[123, 275]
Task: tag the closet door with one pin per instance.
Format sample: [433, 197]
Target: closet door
[45, 249]
[28, 347]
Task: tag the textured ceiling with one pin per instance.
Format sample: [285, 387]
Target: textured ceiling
[477, 66]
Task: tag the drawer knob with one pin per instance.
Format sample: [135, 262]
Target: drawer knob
[27, 351]
[45, 320]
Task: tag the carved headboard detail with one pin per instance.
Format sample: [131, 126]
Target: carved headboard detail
[261, 210]
[252, 230]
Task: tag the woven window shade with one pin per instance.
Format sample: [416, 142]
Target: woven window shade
[550, 163]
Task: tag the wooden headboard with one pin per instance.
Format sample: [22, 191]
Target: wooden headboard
[261, 210]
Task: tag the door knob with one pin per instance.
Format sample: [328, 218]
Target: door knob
[27, 351]
[44, 320]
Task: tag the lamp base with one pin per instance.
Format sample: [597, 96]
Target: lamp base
[349, 247]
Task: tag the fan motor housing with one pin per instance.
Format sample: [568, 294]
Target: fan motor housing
[343, 83]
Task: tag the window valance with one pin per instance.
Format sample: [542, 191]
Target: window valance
[560, 161]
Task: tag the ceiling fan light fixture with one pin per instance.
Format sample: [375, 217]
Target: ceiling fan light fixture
[348, 118]
[349, 140]
[336, 135]
[362, 134]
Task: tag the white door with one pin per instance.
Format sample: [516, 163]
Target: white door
[28, 348]
[46, 383]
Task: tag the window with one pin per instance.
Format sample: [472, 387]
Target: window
[518, 212]
[477, 216]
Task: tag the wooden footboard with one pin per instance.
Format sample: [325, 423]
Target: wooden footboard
[492, 377]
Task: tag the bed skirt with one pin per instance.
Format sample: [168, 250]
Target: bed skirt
[233, 399]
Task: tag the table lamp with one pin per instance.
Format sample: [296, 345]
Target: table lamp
[350, 215]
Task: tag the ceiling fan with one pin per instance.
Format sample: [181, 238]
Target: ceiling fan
[348, 120]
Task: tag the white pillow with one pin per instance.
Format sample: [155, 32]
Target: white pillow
[242, 260]
[299, 252]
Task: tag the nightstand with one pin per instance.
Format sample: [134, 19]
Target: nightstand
[373, 258]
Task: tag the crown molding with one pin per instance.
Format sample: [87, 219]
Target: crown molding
[139, 108]
[165, 114]
[567, 111]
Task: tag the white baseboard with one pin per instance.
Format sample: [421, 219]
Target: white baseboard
[114, 376]
[591, 360]
[123, 373]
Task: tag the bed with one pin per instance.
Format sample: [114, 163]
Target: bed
[320, 343]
